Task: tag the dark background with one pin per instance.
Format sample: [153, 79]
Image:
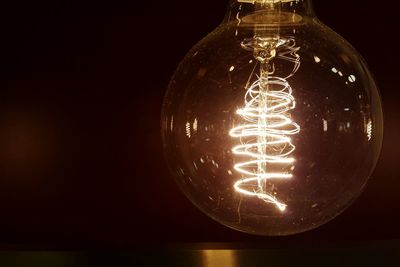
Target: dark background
[81, 87]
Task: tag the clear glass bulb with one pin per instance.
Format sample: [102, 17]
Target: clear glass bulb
[272, 124]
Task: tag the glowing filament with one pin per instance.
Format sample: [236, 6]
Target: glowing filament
[266, 136]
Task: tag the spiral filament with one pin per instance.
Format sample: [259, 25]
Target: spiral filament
[266, 135]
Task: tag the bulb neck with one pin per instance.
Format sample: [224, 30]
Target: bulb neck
[268, 12]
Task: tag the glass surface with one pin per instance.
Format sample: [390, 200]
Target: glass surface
[272, 124]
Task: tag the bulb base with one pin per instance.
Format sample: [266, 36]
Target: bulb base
[271, 19]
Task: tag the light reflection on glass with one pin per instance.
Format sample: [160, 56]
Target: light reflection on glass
[188, 134]
[325, 122]
[352, 78]
[369, 130]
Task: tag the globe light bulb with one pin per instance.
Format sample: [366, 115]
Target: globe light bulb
[272, 124]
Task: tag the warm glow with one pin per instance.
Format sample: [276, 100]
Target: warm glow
[265, 137]
[219, 258]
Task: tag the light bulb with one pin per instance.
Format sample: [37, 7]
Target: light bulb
[272, 124]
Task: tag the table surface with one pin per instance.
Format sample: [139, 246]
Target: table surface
[382, 253]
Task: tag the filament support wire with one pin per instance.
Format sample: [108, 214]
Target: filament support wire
[266, 134]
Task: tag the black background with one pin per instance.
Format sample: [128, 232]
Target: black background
[81, 87]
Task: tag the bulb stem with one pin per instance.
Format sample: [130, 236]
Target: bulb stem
[266, 39]
[263, 123]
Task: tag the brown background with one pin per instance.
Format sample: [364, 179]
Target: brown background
[79, 124]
